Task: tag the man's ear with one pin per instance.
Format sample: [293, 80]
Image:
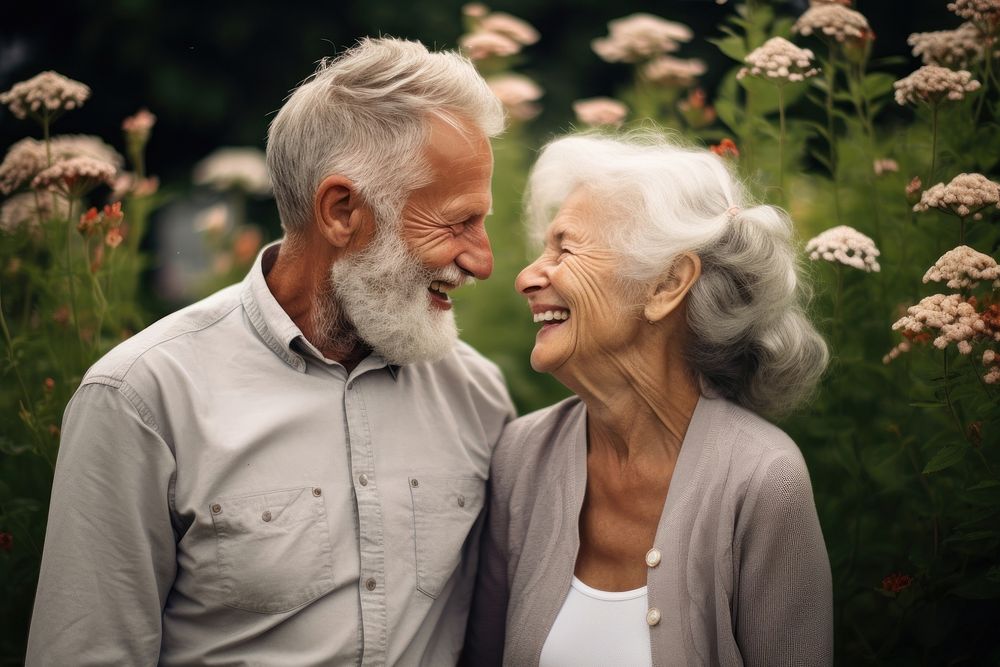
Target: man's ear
[669, 293]
[339, 211]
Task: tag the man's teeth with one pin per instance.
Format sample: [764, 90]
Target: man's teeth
[550, 315]
[439, 286]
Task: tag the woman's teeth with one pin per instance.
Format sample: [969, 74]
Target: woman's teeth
[550, 315]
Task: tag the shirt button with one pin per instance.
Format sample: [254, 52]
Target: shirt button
[414, 483]
[653, 616]
[266, 516]
[370, 584]
[653, 557]
[317, 492]
[363, 479]
[216, 508]
[461, 501]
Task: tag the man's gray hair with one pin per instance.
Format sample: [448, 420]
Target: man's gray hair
[365, 115]
[751, 340]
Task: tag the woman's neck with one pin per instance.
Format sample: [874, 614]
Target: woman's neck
[638, 405]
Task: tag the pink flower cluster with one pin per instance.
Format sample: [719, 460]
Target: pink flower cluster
[674, 72]
[951, 48]
[932, 84]
[25, 210]
[75, 176]
[45, 95]
[518, 94]
[834, 21]
[639, 37]
[27, 157]
[600, 111]
[955, 319]
[495, 34]
[847, 246]
[983, 12]
[779, 60]
[964, 195]
[992, 362]
[964, 267]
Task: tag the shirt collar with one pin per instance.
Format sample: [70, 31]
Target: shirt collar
[277, 330]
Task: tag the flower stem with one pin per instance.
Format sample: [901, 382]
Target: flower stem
[72, 287]
[831, 75]
[781, 140]
[934, 133]
[12, 358]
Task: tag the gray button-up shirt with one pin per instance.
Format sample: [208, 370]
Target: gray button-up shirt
[225, 495]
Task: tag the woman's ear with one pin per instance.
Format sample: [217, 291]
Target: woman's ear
[669, 293]
[339, 211]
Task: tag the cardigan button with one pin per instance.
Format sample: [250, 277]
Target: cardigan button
[653, 557]
[653, 616]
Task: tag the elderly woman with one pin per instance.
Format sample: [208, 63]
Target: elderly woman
[656, 517]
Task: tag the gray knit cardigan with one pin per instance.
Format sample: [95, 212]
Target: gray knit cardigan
[744, 577]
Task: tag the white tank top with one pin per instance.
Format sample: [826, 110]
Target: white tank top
[599, 629]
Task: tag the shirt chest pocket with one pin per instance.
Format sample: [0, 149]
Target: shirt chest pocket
[444, 511]
[273, 549]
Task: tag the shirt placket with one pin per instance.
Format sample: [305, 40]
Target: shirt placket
[371, 584]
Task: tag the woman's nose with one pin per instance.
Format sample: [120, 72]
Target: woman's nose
[531, 278]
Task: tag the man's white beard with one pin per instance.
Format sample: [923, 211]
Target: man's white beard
[382, 291]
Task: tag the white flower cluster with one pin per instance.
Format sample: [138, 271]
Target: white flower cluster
[495, 34]
[955, 319]
[950, 48]
[598, 111]
[832, 20]
[778, 59]
[28, 156]
[964, 267]
[75, 175]
[985, 12]
[932, 84]
[965, 195]
[639, 37]
[845, 245]
[670, 71]
[518, 94]
[45, 95]
[25, 209]
[235, 168]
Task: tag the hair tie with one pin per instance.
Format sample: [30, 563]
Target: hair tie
[733, 211]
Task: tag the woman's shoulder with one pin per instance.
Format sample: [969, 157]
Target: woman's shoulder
[752, 443]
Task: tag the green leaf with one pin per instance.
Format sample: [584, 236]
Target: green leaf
[728, 114]
[732, 46]
[877, 84]
[946, 458]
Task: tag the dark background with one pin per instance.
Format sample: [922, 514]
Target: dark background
[214, 72]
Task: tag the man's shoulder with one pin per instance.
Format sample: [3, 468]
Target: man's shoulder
[115, 366]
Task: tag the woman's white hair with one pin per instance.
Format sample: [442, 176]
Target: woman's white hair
[365, 114]
[751, 341]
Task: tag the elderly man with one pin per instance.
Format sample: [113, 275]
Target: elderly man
[291, 471]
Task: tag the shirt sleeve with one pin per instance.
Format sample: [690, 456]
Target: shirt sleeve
[484, 640]
[784, 612]
[110, 556]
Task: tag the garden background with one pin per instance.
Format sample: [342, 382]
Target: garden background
[903, 452]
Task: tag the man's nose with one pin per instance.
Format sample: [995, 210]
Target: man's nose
[476, 259]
